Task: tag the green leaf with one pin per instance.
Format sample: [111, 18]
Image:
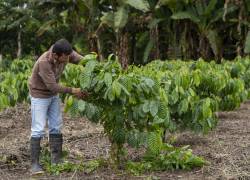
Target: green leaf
[81, 105]
[149, 82]
[121, 18]
[73, 110]
[97, 116]
[139, 4]
[132, 139]
[108, 94]
[183, 106]
[90, 111]
[108, 79]
[220, 12]
[206, 110]
[158, 120]
[199, 7]
[3, 101]
[186, 15]
[90, 66]
[172, 4]
[154, 22]
[116, 89]
[214, 41]
[211, 6]
[153, 108]
[162, 110]
[45, 27]
[147, 50]
[90, 57]
[85, 80]
[125, 90]
[68, 104]
[99, 86]
[247, 43]
[119, 135]
[174, 97]
[209, 122]
[108, 18]
[154, 143]
[146, 107]
[196, 78]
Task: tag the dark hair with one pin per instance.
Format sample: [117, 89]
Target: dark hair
[62, 46]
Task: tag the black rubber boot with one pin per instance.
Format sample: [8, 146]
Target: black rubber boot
[35, 153]
[55, 143]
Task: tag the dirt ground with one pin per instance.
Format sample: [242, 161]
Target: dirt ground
[227, 148]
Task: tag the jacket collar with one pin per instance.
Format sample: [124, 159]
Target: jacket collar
[49, 56]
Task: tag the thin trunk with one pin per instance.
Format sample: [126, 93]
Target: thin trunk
[92, 44]
[19, 44]
[154, 35]
[201, 46]
[95, 42]
[122, 48]
[184, 42]
[163, 41]
[133, 49]
[239, 46]
[99, 48]
[95, 45]
[203, 49]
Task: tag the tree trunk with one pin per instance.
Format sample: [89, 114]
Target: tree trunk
[99, 48]
[163, 42]
[19, 44]
[154, 35]
[122, 48]
[203, 49]
[95, 45]
[117, 156]
[239, 44]
[133, 49]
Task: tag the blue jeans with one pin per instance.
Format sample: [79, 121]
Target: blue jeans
[43, 109]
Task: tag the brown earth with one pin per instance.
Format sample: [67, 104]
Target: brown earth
[227, 148]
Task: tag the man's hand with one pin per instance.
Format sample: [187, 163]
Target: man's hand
[78, 93]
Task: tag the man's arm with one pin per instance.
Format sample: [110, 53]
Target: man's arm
[49, 79]
[75, 57]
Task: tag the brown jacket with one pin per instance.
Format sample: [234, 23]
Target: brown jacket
[46, 72]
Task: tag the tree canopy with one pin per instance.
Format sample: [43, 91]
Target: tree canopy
[135, 30]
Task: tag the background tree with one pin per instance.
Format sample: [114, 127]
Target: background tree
[137, 31]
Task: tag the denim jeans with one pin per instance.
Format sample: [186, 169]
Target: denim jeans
[43, 109]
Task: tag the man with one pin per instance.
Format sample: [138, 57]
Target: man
[45, 102]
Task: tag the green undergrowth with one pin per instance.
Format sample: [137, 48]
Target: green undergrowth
[170, 158]
[67, 166]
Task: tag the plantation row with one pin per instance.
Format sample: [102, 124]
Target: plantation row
[13, 82]
[135, 106]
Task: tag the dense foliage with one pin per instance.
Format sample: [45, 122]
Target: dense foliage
[13, 86]
[137, 105]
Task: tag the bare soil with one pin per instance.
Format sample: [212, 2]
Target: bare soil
[227, 148]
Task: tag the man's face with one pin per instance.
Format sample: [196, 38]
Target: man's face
[62, 59]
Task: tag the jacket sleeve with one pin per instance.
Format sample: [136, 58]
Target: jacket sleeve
[75, 57]
[48, 77]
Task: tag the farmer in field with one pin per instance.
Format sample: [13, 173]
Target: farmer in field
[45, 102]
